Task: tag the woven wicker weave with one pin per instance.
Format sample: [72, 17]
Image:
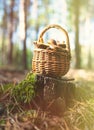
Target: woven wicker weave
[50, 62]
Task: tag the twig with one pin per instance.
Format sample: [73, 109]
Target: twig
[66, 126]
[50, 104]
[36, 128]
[5, 96]
[36, 106]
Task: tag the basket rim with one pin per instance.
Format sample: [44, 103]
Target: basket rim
[40, 38]
[53, 51]
[45, 61]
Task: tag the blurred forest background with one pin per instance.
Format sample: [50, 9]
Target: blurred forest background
[21, 22]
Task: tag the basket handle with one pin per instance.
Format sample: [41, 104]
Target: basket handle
[40, 39]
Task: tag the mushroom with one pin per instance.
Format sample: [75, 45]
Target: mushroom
[52, 42]
[40, 45]
[63, 45]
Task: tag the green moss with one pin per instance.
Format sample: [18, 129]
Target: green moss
[25, 90]
[6, 87]
[2, 122]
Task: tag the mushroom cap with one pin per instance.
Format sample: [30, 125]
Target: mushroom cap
[52, 41]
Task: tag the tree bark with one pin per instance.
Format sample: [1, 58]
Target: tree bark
[4, 26]
[77, 45]
[25, 30]
[51, 88]
[89, 58]
[11, 32]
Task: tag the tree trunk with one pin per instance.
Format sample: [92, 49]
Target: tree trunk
[89, 58]
[77, 45]
[4, 26]
[35, 3]
[11, 32]
[25, 31]
[54, 94]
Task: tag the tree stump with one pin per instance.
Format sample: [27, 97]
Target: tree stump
[54, 92]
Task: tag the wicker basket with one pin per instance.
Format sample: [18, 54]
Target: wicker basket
[50, 62]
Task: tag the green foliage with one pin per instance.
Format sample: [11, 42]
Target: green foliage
[5, 88]
[2, 122]
[17, 54]
[25, 90]
[84, 90]
[29, 58]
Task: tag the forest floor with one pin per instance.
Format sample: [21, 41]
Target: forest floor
[41, 120]
[16, 76]
[7, 76]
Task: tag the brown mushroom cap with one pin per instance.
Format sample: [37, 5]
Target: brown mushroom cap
[52, 41]
[62, 45]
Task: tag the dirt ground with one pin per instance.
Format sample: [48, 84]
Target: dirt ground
[8, 76]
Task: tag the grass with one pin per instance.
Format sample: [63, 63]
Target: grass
[78, 116]
[81, 115]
